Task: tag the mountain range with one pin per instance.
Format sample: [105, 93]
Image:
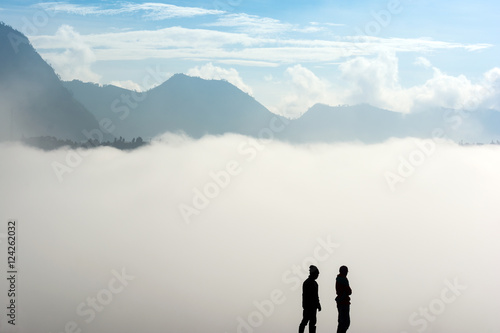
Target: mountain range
[35, 102]
[181, 104]
[197, 107]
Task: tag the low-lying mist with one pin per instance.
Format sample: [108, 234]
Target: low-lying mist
[216, 235]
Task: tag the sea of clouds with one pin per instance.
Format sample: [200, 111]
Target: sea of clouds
[216, 235]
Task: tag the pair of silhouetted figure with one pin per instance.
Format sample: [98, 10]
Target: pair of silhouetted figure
[311, 304]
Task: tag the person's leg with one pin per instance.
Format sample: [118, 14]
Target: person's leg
[312, 321]
[347, 317]
[344, 318]
[303, 323]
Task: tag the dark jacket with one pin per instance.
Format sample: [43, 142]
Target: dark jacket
[310, 298]
[343, 290]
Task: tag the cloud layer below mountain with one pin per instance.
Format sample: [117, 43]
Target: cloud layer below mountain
[216, 235]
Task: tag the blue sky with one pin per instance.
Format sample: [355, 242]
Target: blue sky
[401, 55]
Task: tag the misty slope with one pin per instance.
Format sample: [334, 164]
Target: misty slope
[182, 103]
[346, 123]
[197, 107]
[99, 100]
[323, 123]
[33, 100]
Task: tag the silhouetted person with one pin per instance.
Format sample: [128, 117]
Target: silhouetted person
[343, 300]
[310, 300]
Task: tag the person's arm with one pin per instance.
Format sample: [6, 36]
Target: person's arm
[342, 288]
[317, 297]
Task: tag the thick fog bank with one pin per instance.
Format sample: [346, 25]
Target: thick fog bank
[216, 234]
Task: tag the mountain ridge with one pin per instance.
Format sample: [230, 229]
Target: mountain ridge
[320, 123]
[366, 123]
[34, 101]
[182, 103]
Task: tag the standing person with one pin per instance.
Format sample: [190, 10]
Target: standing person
[343, 300]
[310, 300]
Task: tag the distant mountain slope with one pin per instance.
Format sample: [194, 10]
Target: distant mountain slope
[33, 100]
[189, 104]
[365, 123]
[346, 123]
[197, 107]
[99, 100]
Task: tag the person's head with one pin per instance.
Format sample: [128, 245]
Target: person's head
[343, 270]
[313, 271]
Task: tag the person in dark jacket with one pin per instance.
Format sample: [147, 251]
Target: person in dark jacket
[310, 300]
[343, 300]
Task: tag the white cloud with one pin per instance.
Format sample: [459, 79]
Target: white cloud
[152, 11]
[252, 24]
[184, 43]
[368, 44]
[422, 61]
[167, 39]
[334, 24]
[305, 90]
[446, 91]
[161, 11]
[128, 84]
[64, 7]
[491, 88]
[120, 210]
[77, 58]
[252, 63]
[376, 81]
[257, 25]
[211, 72]
[457, 92]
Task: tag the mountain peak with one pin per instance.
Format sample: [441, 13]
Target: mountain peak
[194, 82]
[34, 101]
[184, 103]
